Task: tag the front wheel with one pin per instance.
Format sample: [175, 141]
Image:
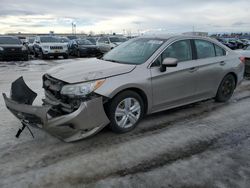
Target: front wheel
[125, 111]
[226, 88]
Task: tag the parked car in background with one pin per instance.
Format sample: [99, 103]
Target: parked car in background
[237, 42]
[11, 48]
[141, 76]
[226, 42]
[22, 39]
[47, 46]
[91, 39]
[30, 44]
[246, 54]
[64, 40]
[83, 48]
[107, 43]
[246, 42]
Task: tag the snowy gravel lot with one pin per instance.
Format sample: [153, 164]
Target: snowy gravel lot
[205, 145]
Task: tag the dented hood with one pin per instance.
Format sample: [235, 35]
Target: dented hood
[88, 69]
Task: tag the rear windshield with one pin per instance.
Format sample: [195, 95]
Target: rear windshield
[9, 40]
[49, 39]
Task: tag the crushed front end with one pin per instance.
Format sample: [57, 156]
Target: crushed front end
[68, 118]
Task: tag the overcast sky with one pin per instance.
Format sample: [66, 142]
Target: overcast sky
[105, 16]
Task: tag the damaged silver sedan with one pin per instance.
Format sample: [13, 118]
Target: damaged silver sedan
[141, 76]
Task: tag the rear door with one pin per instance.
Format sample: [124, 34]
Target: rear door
[210, 63]
[177, 85]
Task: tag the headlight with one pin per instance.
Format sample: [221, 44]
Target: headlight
[24, 48]
[1, 49]
[81, 89]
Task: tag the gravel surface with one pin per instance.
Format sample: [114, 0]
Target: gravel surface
[205, 145]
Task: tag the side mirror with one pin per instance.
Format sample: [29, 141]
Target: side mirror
[38, 42]
[168, 62]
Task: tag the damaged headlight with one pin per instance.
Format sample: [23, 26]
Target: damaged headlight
[82, 89]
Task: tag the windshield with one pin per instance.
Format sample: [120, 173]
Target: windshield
[84, 42]
[9, 40]
[135, 51]
[49, 39]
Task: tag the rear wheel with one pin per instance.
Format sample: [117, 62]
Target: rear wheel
[125, 111]
[226, 88]
[66, 56]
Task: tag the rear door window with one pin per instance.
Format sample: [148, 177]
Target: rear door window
[219, 51]
[204, 49]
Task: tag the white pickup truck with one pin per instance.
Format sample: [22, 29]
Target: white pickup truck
[47, 46]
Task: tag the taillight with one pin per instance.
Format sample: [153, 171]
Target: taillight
[242, 59]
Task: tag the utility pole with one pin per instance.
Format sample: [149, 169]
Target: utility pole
[73, 28]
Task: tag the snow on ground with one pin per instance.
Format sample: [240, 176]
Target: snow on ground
[200, 145]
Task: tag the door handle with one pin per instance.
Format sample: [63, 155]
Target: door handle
[222, 63]
[193, 69]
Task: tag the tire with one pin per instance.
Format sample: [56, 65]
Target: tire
[226, 88]
[121, 119]
[65, 56]
[44, 56]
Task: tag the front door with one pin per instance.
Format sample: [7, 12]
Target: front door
[177, 85]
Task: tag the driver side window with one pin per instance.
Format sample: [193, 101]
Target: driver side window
[180, 50]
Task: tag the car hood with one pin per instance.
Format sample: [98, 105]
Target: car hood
[87, 70]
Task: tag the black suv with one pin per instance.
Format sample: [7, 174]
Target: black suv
[11, 48]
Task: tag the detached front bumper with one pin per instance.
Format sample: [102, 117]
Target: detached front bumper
[87, 120]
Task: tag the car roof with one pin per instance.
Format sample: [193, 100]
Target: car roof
[167, 37]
